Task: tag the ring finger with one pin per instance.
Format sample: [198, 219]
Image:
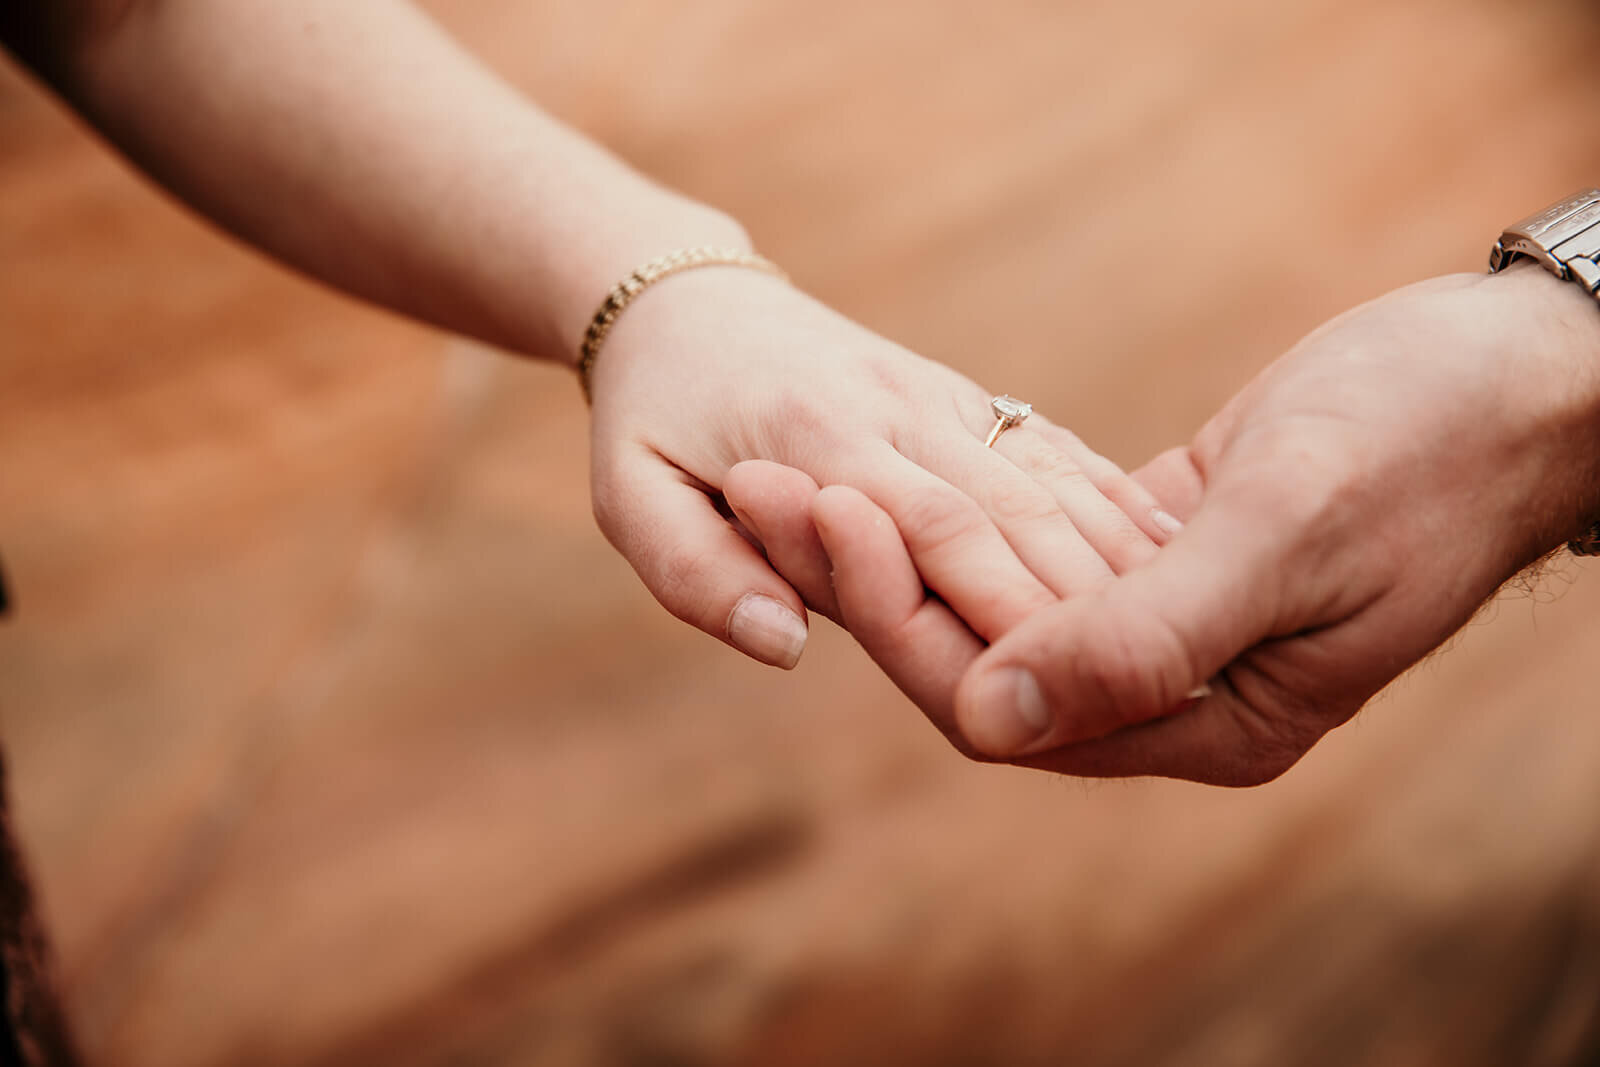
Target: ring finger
[1054, 517]
[1084, 489]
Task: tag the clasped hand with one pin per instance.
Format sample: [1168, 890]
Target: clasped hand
[1208, 617]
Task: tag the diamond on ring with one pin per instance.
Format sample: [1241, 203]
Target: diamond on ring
[1008, 412]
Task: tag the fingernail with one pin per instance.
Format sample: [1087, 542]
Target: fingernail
[1167, 521]
[767, 630]
[1199, 692]
[1010, 712]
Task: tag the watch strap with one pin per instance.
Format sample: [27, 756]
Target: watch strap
[1563, 238]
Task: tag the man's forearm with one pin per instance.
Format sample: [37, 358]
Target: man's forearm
[359, 144]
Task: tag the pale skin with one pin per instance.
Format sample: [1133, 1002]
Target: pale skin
[410, 175]
[1346, 512]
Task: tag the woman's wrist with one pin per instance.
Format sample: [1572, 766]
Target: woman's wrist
[628, 233]
[652, 345]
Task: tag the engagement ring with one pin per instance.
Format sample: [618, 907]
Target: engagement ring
[1008, 412]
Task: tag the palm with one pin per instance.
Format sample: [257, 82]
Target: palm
[1349, 510]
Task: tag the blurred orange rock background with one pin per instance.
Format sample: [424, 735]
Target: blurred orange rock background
[339, 736]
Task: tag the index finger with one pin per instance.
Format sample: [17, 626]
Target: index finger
[921, 645]
[957, 550]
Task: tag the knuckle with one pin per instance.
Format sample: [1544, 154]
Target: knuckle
[931, 520]
[801, 419]
[890, 376]
[1123, 544]
[1062, 436]
[1059, 469]
[1123, 670]
[681, 579]
[1113, 679]
[1022, 501]
[680, 571]
[1306, 503]
[1315, 490]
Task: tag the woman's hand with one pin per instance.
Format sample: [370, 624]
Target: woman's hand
[720, 365]
[422, 181]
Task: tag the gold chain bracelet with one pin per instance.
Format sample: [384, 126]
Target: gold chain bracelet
[641, 278]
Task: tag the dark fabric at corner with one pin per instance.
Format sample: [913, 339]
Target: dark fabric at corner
[33, 1031]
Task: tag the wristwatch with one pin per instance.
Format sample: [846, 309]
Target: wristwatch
[1564, 239]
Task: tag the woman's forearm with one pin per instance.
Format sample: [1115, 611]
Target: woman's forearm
[358, 143]
[355, 141]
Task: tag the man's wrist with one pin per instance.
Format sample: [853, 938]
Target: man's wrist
[1558, 364]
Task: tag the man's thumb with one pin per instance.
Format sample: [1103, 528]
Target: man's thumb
[1141, 647]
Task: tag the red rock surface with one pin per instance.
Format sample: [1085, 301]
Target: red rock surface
[341, 737]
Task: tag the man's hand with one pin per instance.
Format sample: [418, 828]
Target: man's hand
[1345, 513]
